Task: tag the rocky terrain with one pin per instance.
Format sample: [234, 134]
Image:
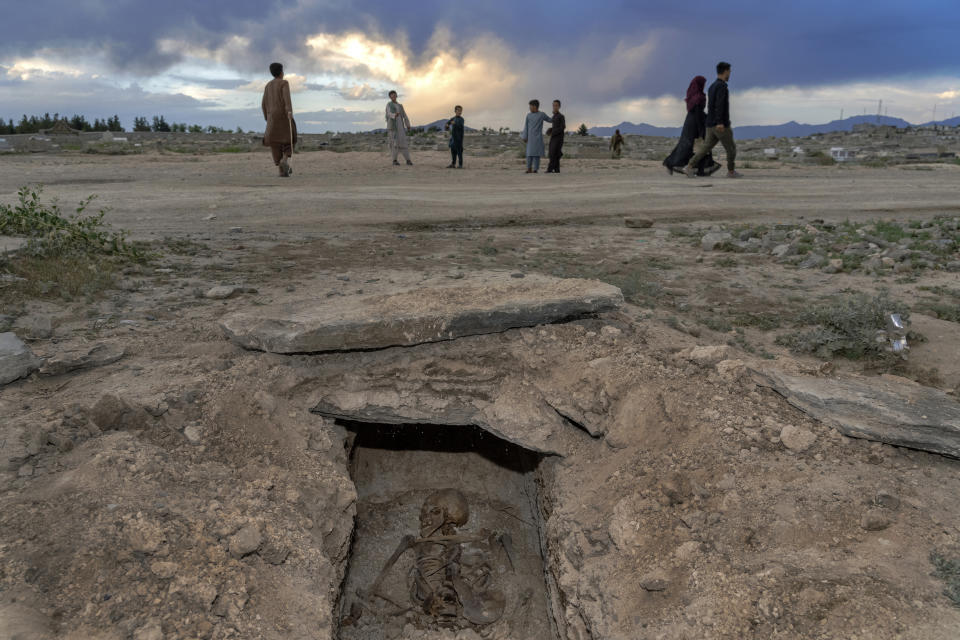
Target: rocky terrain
[716, 440]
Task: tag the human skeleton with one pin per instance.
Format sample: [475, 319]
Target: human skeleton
[451, 577]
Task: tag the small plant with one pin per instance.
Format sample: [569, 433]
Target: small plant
[890, 231]
[845, 326]
[67, 255]
[52, 233]
[947, 570]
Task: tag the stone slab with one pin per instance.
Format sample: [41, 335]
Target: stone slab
[16, 359]
[85, 358]
[887, 409]
[480, 305]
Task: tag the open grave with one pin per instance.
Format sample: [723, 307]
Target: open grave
[447, 536]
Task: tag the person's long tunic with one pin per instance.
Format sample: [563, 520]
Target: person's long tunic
[694, 127]
[457, 127]
[276, 106]
[397, 125]
[533, 133]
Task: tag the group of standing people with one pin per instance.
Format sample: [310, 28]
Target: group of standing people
[707, 124]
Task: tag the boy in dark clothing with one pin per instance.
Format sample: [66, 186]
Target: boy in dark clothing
[556, 132]
[455, 126]
[718, 124]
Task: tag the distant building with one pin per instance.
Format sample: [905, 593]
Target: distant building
[771, 153]
[842, 155]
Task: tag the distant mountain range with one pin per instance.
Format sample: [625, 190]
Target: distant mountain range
[790, 129]
[437, 124]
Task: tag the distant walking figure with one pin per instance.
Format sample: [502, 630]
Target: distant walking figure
[616, 145]
[718, 124]
[556, 133]
[532, 135]
[456, 127]
[694, 132]
[281, 131]
[398, 124]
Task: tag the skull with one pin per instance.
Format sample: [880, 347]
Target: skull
[442, 512]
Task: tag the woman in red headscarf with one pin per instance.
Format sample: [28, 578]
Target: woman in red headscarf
[694, 128]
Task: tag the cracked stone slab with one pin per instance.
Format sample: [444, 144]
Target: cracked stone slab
[483, 304]
[887, 409]
[16, 359]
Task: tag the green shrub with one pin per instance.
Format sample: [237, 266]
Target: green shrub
[51, 233]
[845, 326]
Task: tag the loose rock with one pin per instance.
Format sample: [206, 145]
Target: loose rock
[245, 541]
[796, 438]
[714, 240]
[886, 499]
[655, 581]
[112, 412]
[876, 520]
[638, 223]
[224, 292]
[709, 355]
[16, 359]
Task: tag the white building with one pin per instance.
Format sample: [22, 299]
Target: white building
[842, 155]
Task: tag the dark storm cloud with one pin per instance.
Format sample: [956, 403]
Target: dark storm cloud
[770, 43]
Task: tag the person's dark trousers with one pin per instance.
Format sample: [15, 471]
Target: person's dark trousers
[455, 155]
[556, 151]
[725, 138]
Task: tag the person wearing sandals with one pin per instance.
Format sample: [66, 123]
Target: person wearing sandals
[694, 131]
[398, 124]
[281, 130]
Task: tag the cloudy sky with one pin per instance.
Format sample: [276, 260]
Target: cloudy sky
[205, 61]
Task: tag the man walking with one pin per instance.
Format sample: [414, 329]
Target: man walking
[398, 124]
[281, 131]
[532, 135]
[557, 132]
[456, 126]
[718, 124]
[616, 145]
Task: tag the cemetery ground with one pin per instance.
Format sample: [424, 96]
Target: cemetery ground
[160, 480]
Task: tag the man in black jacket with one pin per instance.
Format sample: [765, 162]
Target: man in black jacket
[556, 134]
[718, 124]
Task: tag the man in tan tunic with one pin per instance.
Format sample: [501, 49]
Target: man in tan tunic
[281, 131]
[398, 124]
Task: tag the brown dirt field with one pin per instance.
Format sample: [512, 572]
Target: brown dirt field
[132, 516]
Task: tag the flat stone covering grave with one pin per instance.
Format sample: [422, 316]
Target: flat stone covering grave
[484, 303]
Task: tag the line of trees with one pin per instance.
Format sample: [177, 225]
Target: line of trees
[35, 124]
